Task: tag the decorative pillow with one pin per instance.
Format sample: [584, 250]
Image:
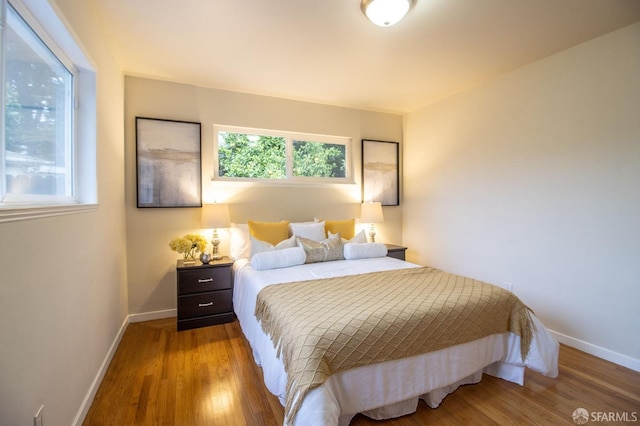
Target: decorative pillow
[271, 232]
[312, 230]
[258, 246]
[239, 244]
[323, 251]
[292, 224]
[278, 258]
[360, 237]
[346, 228]
[354, 251]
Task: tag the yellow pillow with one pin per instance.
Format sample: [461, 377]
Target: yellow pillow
[346, 228]
[271, 232]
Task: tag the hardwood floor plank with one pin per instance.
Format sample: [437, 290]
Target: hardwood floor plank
[253, 399]
[207, 376]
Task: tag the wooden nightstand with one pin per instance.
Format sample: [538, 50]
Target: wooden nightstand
[204, 293]
[396, 251]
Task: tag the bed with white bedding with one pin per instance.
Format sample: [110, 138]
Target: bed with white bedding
[385, 389]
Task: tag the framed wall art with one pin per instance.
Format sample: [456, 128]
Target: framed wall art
[380, 172]
[168, 168]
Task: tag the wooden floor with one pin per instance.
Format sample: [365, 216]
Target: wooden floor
[207, 376]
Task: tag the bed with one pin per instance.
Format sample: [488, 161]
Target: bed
[386, 389]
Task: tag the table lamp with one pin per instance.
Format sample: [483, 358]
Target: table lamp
[371, 213]
[215, 216]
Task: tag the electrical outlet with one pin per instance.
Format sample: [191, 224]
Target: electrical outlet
[37, 419]
[508, 286]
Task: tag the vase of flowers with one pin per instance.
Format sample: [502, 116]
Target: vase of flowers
[189, 245]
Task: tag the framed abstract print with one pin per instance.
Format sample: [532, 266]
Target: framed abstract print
[168, 168]
[380, 172]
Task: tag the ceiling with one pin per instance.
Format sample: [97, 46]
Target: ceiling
[326, 51]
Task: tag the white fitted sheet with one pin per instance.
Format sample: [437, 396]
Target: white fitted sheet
[388, 389]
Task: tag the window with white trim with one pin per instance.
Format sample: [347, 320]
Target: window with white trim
[247, 154]
[42, 87]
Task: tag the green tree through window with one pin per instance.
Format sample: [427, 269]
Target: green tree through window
[244, 153]
[251, 156]
[317, 159]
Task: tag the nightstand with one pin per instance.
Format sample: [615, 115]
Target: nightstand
[396, 251]
[204, 293]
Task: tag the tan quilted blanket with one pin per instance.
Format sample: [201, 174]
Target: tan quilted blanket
[322, 327]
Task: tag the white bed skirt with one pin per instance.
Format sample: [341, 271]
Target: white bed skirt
[392, 389]
[396, 386]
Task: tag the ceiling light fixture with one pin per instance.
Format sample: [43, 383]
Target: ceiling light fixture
[385, 13]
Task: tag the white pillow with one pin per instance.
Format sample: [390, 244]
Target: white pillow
[354, 251]
[259, 246]
[240, 244]
[274, 259]
[360, 237]
[311, 231]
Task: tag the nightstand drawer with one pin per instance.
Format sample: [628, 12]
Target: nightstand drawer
[202, 304]
[205, 279]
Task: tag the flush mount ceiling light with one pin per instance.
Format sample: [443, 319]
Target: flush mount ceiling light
[385, 13]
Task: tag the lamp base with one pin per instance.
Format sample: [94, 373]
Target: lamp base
[215, 242]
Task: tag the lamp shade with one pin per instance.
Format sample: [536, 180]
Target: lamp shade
[215, 216]
[385, 13]
[371, 213]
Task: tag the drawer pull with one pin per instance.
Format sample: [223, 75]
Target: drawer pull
[208, 280]
[204, 305]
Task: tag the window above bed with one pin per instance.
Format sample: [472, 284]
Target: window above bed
[248, 154]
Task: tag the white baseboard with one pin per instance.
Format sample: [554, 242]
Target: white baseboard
[93, 389]
[600, 352]
[148, 316]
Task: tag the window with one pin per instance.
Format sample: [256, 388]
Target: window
[319, 159]
[42, 87]
[278, 156]
[38, 116]
[242, 155]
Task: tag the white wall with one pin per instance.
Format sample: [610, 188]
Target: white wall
[63, 292]
[151, 271]
[534, 179]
